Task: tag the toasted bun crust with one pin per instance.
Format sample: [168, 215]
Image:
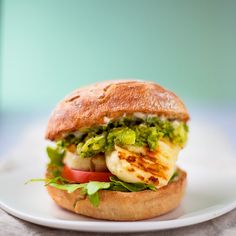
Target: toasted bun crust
[122, 206]
[86, 107]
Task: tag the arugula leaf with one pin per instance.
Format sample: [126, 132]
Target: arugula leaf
[70, 188]
[56, 179]
[120, 188]
[94, 186]
[48, 181]
[174, 176]
[132, 187]
[55, 155]
[91, 188]
[151, 187]
[35, 180]
[56, 172]
[94, 199]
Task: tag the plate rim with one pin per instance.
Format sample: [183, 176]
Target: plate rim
[101, 226]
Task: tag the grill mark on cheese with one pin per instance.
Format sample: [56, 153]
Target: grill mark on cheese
[154, 179]
[130, 169]
[141, 177]
[147, 164]
[131, 159]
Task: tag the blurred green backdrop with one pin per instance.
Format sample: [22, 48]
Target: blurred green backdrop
[50, 47]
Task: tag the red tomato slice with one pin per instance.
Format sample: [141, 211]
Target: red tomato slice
[79, 176]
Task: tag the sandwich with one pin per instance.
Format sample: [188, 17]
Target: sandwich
[115, 149]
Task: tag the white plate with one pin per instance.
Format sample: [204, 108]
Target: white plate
[211, 189]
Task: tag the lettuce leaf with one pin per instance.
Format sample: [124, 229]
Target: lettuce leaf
[92, 188]
[70, 188]
[55, 155]
[94, 199]
[130, 187]
[174, 176]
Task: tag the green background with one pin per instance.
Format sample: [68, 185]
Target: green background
[50, 47]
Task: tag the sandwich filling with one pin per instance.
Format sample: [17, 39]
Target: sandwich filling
[134, 149]
[129, 154]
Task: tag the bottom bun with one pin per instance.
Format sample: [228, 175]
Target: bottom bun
[120, 206]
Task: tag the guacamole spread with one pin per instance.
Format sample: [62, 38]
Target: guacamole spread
[126, 131]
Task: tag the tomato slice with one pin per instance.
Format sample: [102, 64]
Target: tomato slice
[78, 176]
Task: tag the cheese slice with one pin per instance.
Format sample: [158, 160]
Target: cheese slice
[135, 164]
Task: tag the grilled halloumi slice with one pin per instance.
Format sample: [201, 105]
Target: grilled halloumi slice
[140, 165]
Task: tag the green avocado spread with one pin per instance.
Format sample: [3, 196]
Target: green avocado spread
[126, 131]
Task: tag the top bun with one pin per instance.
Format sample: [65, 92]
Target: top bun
[88, 106]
